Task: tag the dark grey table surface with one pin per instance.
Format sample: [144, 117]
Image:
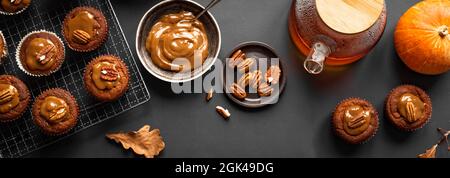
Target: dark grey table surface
[298, 126]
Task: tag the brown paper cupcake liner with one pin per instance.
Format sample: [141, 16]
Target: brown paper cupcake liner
[345, 140]
[19, 62]
[121, 61]
[18, 117]
[25, 110]
[387, 110]
[94, 47]
[4, 53]
[66, 130]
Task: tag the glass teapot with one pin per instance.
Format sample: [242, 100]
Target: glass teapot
[335, 32]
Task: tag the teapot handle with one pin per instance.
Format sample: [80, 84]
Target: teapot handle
[314, 63]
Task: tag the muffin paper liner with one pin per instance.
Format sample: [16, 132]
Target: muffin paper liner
[4, 53]
[375, 113]
[67, 130]
[100, 43]
[19, 62]
[389, 117]
[14, 13]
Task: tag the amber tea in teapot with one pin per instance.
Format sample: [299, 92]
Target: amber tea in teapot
[335, 32]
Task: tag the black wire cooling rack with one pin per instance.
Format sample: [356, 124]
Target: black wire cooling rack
[22, 136]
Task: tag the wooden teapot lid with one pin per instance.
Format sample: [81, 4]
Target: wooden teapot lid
[350, 16]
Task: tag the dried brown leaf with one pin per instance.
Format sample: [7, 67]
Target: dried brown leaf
[430, 153]
[142, 142]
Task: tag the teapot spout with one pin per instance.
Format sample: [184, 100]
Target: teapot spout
[314, 63]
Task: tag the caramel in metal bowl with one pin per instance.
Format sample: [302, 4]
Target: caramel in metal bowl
[153, 16]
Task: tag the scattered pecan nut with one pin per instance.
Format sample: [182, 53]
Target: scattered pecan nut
[223, 112]
[238, 91]
[46, 54]
[109, 73]
[255, 80]
[236, 58]
[264, 90]
[209, 95]
[5, 96]
[245, 65]
[81, 37]
[273, 75]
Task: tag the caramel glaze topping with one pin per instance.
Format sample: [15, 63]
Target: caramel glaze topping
[40, 54]
[12, 6]
[105, 75]
[9, 97]
[356, 120]
[83, 27]
[178, 36]
[411, 107]
[54, 109]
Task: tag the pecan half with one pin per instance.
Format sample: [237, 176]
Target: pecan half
[5, 96]
[238, 91]
[223, 112]
[109, 73]
[273, 75]
[209, 95]
[264, 90]
[81, 37]
[236, 58]
[411, 112]
[255, 80]
[245, 80]
[58, 113]
[357, 121]
[46, 54]
[245, 65]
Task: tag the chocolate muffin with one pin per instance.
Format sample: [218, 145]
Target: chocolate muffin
[11, 7]
[14, 98]
[408, 107]
[40, 53]
[106, 78]
[55, 111]
[85, 29]
[3, 47]
[355, 120]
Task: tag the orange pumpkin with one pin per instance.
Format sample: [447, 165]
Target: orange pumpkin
[422, 38]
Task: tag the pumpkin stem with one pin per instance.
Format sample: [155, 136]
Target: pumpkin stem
[443, 31]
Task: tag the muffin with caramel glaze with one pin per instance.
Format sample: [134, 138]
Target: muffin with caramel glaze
[14, 98]
[85, 29]
[355, 120]
[106, 78]
[55, 111]
[408, 107]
